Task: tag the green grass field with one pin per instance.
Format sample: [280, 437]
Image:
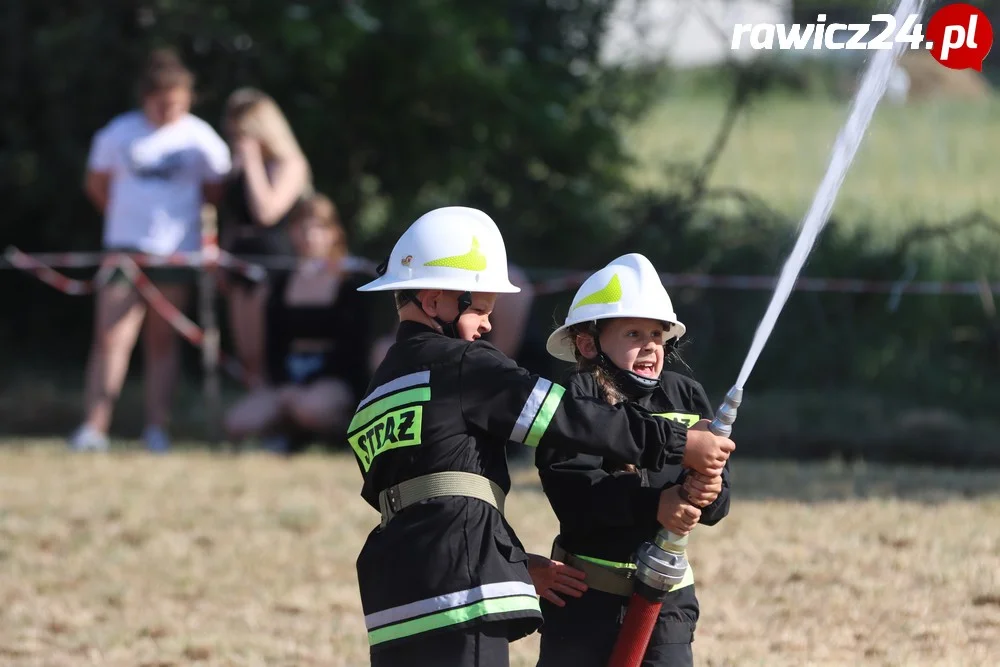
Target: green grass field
[922, 163]
[196, 559]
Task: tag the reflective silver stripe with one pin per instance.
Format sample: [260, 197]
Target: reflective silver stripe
[449, 601]
[530, 410]
[411, 380]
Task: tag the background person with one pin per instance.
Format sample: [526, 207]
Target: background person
[270, 174]
[148, 173]
[316, 339]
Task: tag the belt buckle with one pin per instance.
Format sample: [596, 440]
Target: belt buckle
[393, 499]
[389, 504]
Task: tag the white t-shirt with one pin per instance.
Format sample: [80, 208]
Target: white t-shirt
[154, 203]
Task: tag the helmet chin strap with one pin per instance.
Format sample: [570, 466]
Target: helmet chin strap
[449, 329]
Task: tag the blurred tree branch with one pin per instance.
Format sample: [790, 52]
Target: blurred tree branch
[947, 230]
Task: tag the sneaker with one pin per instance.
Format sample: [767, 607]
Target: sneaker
[88, 439]
[156, 439]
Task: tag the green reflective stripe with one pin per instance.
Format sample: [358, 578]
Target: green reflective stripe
[545, 414]
[380, 407]
[610, 293]
[448, 617]
[686, 581]
[685, 418]
[607, 563]
[474, 260]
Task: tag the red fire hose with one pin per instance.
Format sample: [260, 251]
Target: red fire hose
[640, 620]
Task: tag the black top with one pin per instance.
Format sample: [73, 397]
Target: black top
[343, 324]
[438, 404]
[269, 240]
[236, 204]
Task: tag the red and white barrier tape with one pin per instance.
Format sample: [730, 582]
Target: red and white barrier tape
[252, 266]
[130, 267]
[42, 264]
[50, 276]
[83, 260]
[839, 285]
[168, 311]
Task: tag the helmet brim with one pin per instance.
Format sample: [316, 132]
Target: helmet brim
[387, 284]
[562, 346]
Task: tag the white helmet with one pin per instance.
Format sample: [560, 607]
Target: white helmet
[627, 287]
[450, 248]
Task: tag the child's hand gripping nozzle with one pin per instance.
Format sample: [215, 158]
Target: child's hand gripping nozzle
[661, 565]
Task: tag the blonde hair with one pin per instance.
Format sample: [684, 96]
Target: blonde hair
[256, 114]
[605, 383]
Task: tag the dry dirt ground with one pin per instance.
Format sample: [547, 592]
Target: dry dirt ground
[127, 559]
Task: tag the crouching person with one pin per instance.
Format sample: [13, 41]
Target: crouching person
[316, 340]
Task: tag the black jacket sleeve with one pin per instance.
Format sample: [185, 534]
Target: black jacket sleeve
[717, 511]
[505, 400]
[584, 495]
[582, 492]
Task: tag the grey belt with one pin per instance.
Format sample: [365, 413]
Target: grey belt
[396, 498]
[617, 581]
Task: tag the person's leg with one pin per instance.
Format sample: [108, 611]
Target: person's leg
[117, 322]
[477, 647]
[573, 650]
[255, 413]
[319, 407]
[492, 646]
[162, 355]
[246, 320]
[670, 644]
[581, 634]
[668, 655]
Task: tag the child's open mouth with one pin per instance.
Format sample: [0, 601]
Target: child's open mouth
[644, 368]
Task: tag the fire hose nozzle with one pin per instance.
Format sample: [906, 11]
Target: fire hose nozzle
[722, 425]
[662, 563]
